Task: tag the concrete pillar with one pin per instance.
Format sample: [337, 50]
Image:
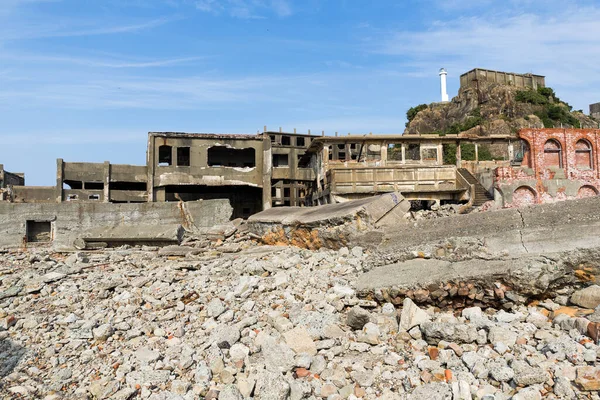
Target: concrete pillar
[403, 153]
[150, 166]
[458, 159]
[511, 151]
[440, 154]
[160, 194]
[267, 173]
[60, 171]
[106, 182]
[384, 148]
[476, 152]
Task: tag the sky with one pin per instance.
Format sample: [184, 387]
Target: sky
[86, 80]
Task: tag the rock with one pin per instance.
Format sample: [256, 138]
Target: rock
[587, 298]
[278, 356]
[502, 373]
[370, 334]
[411, 315]
[529, 393]
[431, 391]
[103, 332]
[526, 375]
[147, 378]
[357, 317]
[52, 277]
[588, 378]
[215, 307]
[502, 334]
[146, 356]
[230, 392]
[271, 386]
[300, 341]
[461, 390]
[562, 388]
[472, 313]
[450, 332]
[238, 352]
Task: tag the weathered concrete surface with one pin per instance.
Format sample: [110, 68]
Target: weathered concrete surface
[139, 234]
[70, 220]
[537, 229]
[331, 225]
[481, 281]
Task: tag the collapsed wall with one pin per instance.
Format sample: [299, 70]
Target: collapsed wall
[60, 224]
[332, 225]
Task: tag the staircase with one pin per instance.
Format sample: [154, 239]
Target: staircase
[481, 195]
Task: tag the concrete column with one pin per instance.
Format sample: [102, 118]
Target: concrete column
[440, 154]
[150, 166]
[458, 159]
[511, 151]
[106, 182]
[160, 194]
[403, 153]
[60, 171]
[267, 173]
[476, 152]
[384, 148]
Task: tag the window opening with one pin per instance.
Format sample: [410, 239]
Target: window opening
[183, 156]
[164, 156]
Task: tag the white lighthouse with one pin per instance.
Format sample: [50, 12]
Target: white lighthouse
[443, 74]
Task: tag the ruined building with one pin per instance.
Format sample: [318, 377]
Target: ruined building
[473, 77]
[595, 110]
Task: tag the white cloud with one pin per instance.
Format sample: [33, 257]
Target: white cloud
[564, 48]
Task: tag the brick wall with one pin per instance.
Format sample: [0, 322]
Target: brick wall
[561, 164]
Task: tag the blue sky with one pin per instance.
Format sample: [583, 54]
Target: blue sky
[86, 80]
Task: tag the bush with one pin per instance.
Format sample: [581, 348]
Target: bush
[531, 96]
[413, 111]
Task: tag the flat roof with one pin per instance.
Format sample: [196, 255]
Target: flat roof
[503, 72]
[186, 135]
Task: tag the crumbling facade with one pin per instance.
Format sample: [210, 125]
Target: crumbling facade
[271, 169]
[471, 78]
[8, 180]
[552, 165]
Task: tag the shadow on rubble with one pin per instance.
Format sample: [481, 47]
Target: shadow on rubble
[10, 355]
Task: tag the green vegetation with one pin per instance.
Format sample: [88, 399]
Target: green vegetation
[553, 112]
[471, 121]
[467, 153]
[413, 111]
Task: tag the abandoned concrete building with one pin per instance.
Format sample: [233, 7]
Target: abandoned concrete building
[271, 169]
[471, 78]
[595, 110]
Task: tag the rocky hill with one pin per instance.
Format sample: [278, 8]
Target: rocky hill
[495, 109]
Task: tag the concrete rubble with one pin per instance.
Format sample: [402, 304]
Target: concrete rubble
[222, 316]
[331, 225]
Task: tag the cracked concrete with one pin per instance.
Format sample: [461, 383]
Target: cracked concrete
[521, 230]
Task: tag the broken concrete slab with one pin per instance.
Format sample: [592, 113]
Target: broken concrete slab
[178, 251]
[135, 235]
[546, 228]
[474, 281]
[331, 225]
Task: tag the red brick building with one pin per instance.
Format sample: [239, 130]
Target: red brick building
[551, 165]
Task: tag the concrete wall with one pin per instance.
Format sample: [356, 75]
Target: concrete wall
[542, 228]
[69, 220]
[595, 110]
[505, 78]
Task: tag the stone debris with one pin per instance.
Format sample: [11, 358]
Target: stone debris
[274, 323]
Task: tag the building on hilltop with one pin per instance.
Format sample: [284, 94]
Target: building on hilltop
[595, 110]
[471, 78]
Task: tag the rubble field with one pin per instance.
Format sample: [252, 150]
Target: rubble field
[231, 319]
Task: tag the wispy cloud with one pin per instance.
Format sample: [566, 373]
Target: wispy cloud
[564, 48]
[56, 30]
[246, 9]
[98, 63]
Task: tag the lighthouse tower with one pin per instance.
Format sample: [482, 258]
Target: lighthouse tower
[443, 74]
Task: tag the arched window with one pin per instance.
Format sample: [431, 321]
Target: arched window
[583, 154]
[553, 154]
